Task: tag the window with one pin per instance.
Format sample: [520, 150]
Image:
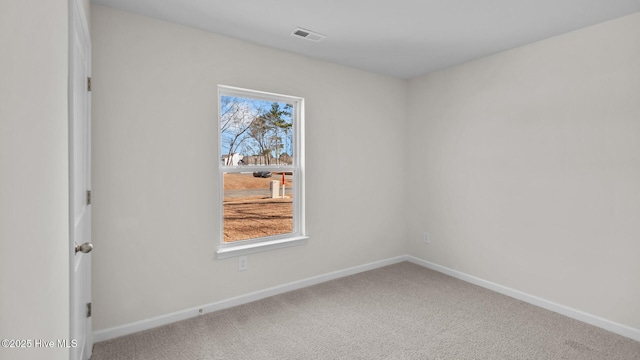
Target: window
[261, 166]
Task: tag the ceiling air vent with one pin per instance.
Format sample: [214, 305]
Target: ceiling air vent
[308, 34]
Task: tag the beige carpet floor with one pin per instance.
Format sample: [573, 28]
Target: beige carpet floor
[402, 311]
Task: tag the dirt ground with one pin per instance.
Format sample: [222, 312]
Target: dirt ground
[255, 216]
[247, 181]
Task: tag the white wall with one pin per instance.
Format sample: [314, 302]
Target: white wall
[34, 261]
[525, 169]
[155, 190]
[523, 166]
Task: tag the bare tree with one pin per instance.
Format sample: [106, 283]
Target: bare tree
[259, 133]
[236, 118]
[265, 131]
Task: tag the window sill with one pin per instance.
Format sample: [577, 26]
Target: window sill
[232, 250]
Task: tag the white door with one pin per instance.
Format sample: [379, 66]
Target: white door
[81, 341]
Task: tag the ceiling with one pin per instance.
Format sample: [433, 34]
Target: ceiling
[401, 38]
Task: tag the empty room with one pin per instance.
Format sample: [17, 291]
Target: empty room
[204, 179]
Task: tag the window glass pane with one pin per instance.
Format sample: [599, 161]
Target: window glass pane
[254, 205]
[255, 132]
[261, 136]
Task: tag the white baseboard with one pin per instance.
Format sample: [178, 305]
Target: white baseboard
[114, 332]
[608, 325]
[620, 329]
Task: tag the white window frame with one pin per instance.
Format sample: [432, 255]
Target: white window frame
[297, 236]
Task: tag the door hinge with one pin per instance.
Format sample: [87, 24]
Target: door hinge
[88, 309]
[88, 197]
[89, 84]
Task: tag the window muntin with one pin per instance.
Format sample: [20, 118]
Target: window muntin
[260, 150]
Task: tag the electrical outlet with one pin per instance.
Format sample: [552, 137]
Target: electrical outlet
[242, 263]
[427, 238]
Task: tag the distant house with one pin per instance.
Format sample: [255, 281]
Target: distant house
[235, 160]
[267, 159]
